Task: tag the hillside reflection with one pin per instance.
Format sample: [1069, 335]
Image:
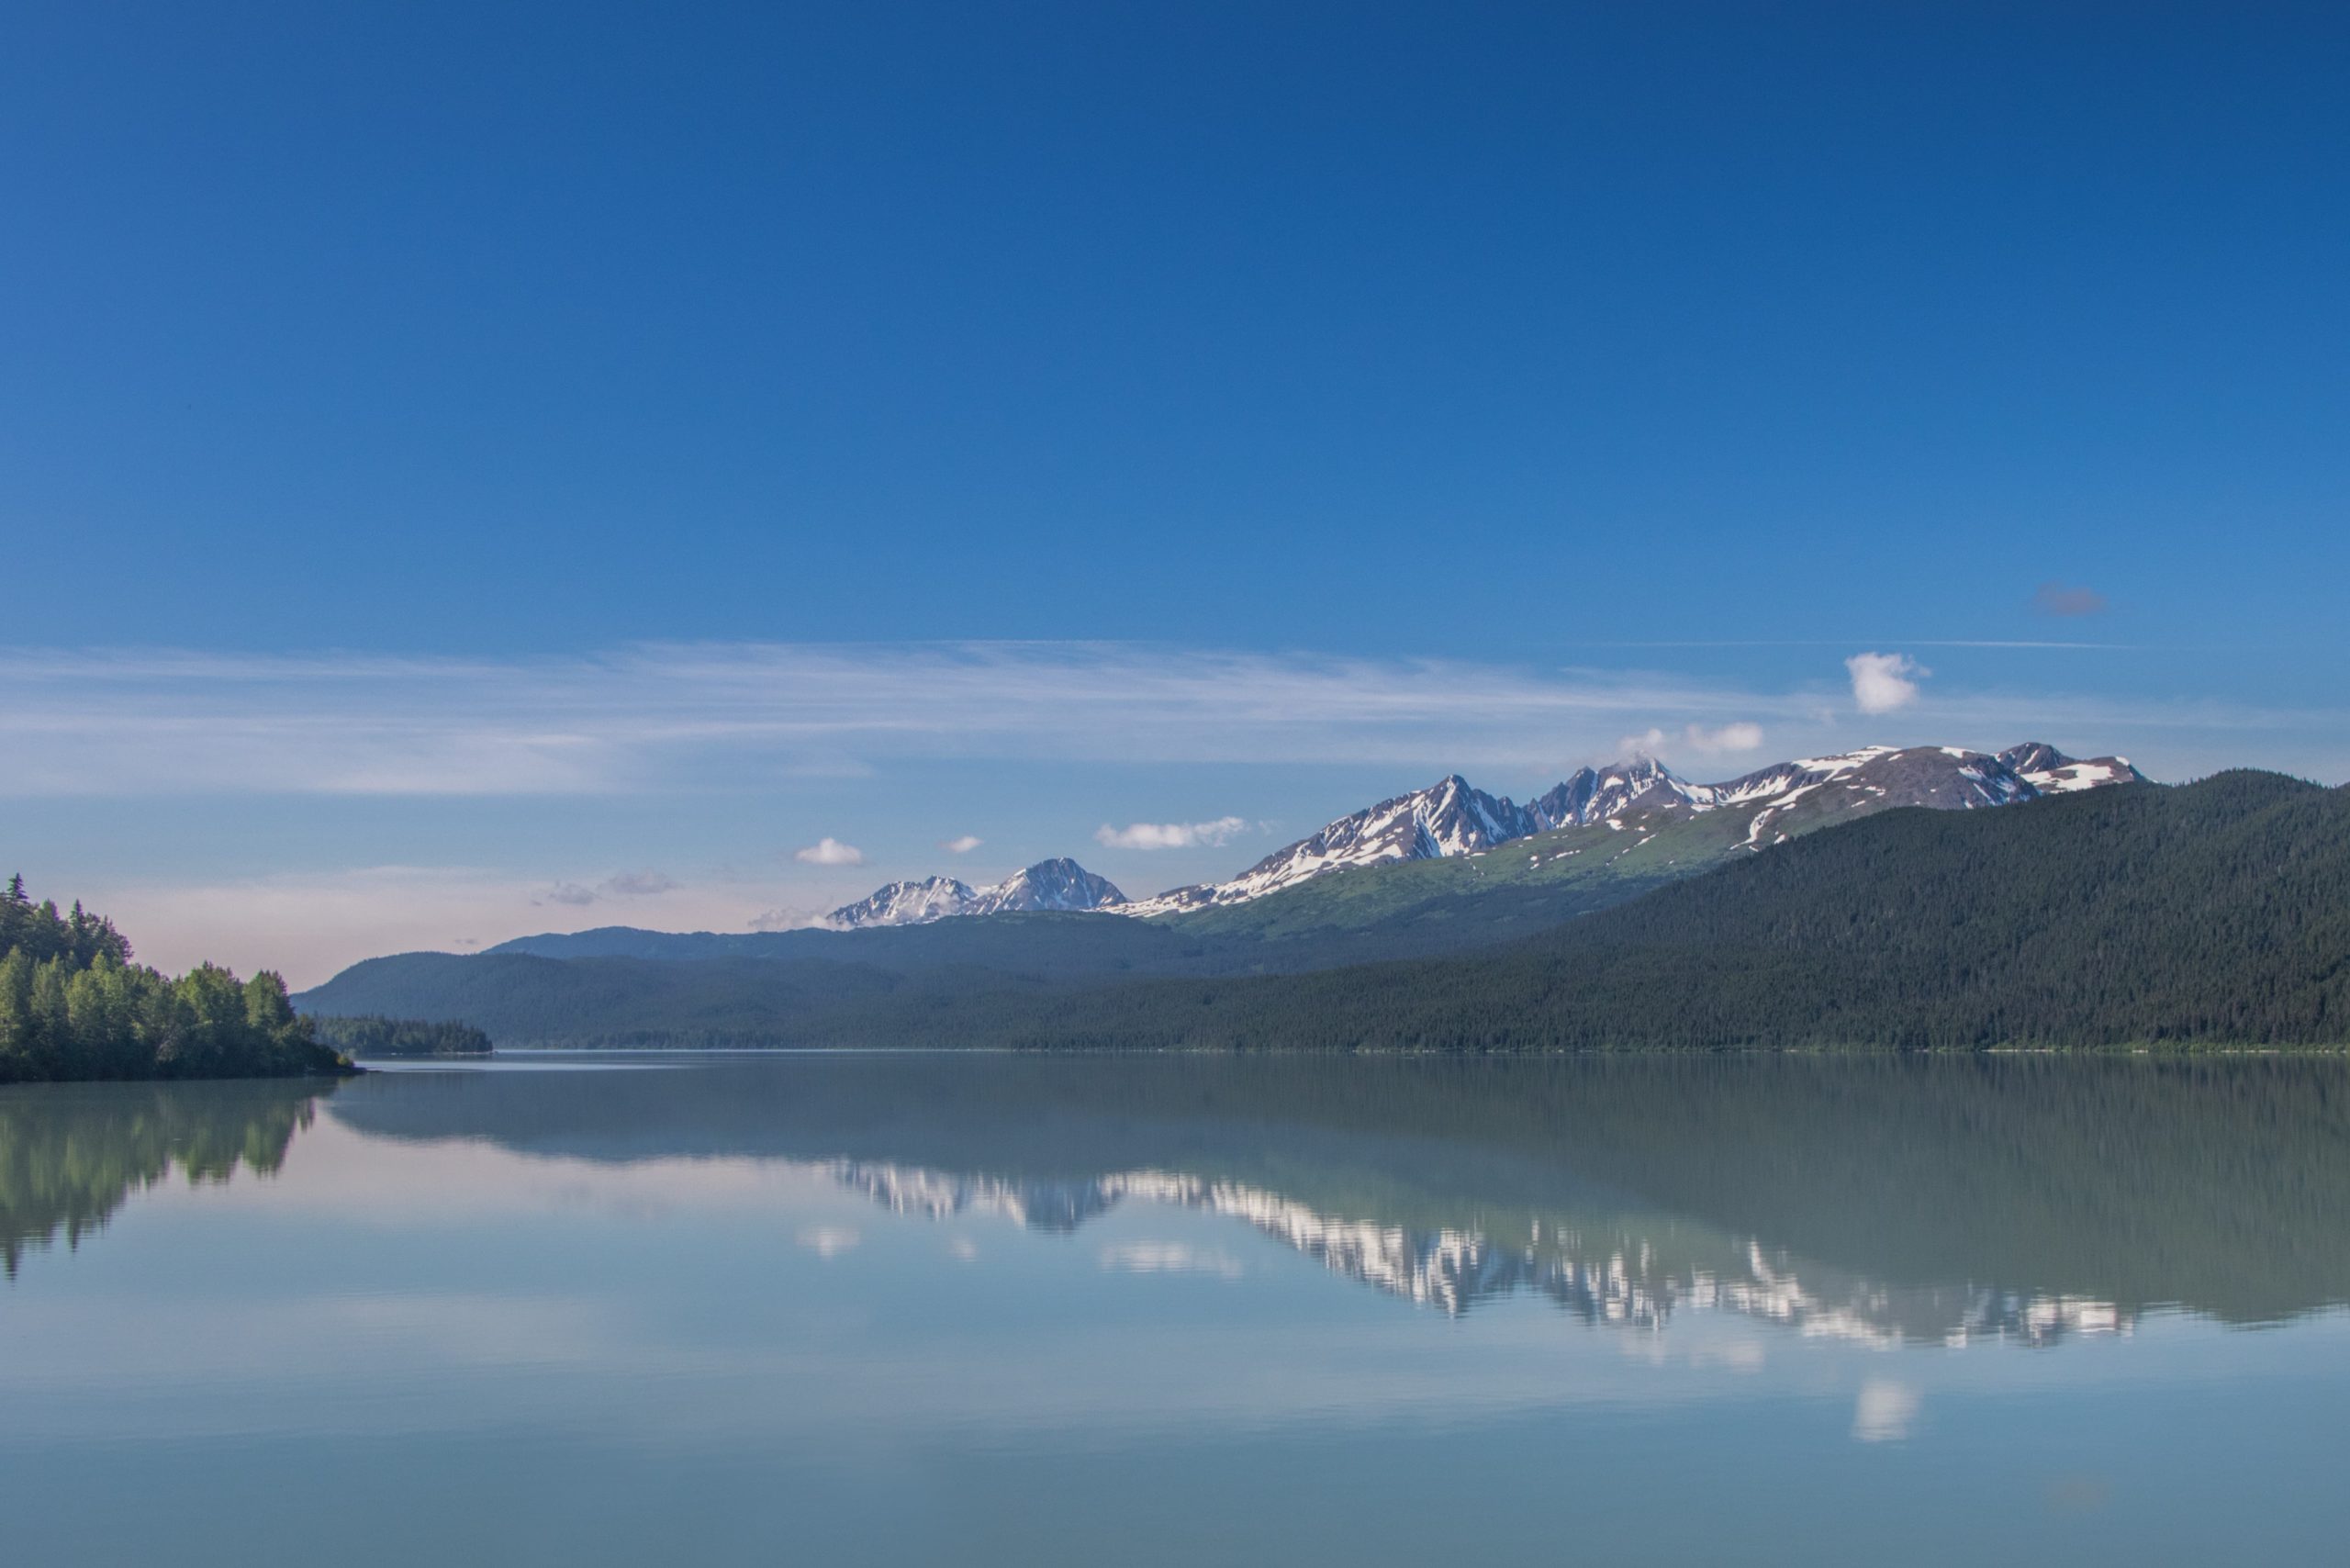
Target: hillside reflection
[1893, 1201]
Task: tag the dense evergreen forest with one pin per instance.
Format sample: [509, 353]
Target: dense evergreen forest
[74, 1005]
[2210, 913]
[2216, 912]
[376, 1037]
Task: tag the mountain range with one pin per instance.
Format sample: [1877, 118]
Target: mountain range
[1804, 909]
[1059, 884]
[2211, 913]
[1452, 818]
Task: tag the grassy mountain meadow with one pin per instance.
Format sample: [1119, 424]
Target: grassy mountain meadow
[2217, 912]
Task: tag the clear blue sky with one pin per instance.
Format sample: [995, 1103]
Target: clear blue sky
[1522, 339]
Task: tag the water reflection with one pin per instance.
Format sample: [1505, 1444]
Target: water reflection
[1877, 1202]
[2030, 1199]
[1601, 1269]
[71, 1154]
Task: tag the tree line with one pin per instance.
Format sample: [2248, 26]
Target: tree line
[375, 1037]
[2214, 913]
[73, 1004]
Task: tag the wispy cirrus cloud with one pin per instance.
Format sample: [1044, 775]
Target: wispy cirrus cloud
[668, 718]
[1170, 835]
[623, 884]
[650, 718]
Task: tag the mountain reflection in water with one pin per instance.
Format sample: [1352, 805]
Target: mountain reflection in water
[1883, 1201]
[1605, 1275]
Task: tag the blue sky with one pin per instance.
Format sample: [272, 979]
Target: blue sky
[404, 409]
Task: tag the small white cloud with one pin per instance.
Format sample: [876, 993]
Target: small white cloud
[1883, 682]
[962, 845]
[570, 893]
[829, 1241]
[1738, 736]
[640, 884]
[1167, 1258]
[1885, 1411]
[829, 851]
[787, 920]
[1170, 836]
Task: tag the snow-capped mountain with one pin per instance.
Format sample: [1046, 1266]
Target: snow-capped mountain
[907, 903]
[1058, 884]
[1447, 818]
[1451, 817]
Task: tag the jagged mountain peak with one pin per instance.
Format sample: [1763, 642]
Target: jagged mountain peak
[906, 904]
[1454, 817]
[1056, 884]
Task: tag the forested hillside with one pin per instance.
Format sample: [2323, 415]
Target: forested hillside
[74, 1005]
[378, 1036]
[2217, 912]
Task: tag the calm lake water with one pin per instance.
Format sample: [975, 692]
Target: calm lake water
[996, 1310]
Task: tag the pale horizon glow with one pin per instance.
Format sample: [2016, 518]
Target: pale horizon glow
[874, 746]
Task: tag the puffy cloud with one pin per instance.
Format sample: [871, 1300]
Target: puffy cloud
[1740, 736]
[962, 845]
[2056, 599]
[1732, 737]
[571, 893]
[787, 920]
[640, 884]
[1885, 682]
[1170, 836]
[830, 851]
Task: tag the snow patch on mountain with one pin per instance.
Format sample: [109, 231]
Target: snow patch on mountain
[1058, 884]
[1451, 817]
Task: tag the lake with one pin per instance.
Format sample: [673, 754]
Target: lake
[916, 1308]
